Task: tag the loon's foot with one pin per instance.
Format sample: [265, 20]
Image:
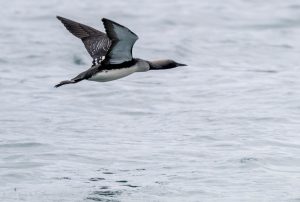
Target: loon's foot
[64, 83]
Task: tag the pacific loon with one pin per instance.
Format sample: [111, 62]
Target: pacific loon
[111, 52]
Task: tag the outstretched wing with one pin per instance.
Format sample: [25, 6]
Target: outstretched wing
[122, 39]
[95, 41]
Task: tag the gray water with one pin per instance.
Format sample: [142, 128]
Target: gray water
[225, 128]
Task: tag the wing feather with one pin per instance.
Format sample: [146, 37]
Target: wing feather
[95, 41]
[122, 40]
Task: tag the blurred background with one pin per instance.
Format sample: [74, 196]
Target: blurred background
[224, 128]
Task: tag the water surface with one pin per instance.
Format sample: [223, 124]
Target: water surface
[225, 128]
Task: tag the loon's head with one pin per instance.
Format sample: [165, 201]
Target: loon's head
[164, 64]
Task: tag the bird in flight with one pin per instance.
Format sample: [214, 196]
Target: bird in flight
[111, 52]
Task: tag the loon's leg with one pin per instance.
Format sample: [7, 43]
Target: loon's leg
[82, 76]
[76, 79]
[64, 83]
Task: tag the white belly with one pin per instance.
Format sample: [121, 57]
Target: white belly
[109, 75]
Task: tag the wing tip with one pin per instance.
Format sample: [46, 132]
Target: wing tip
[107, 20]
[59, 17]
[108, 25]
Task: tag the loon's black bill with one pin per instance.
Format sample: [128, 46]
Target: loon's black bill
[180, 64]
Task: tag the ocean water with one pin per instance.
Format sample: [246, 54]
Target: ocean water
[224, 128]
